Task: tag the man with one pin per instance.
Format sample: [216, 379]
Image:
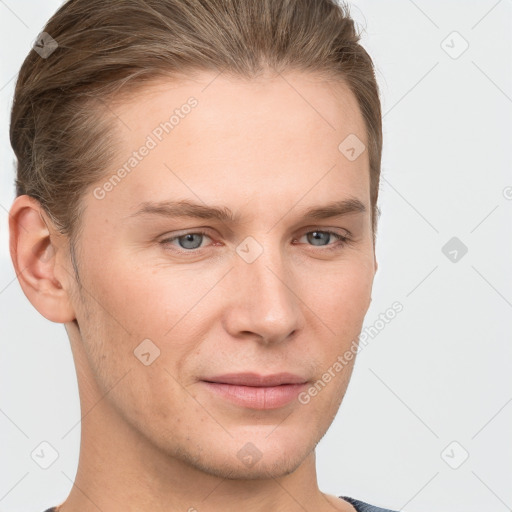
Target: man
[196, 203]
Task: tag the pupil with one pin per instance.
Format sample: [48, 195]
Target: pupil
[189, 241]
[317, 235]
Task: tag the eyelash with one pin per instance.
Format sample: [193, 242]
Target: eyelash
[343, 240]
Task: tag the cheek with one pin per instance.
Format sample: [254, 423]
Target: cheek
[139, 299]
[145, 315]
[128, 312]
[341, 295]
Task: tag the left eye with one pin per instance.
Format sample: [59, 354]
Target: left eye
[319, 235]
[187, 241]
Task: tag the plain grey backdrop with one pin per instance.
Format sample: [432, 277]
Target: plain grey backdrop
[426, 421]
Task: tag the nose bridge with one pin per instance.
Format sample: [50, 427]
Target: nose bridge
[264, 298]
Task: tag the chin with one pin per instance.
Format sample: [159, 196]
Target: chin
[254, 456]
[232, 469]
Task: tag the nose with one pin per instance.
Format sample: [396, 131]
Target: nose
[265, 301]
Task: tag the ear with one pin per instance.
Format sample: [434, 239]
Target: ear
[34, 253]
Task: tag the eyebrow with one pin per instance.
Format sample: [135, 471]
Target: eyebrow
[190, 209]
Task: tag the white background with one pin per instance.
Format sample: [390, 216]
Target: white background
[441, 370]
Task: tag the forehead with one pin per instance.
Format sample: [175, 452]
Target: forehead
[235, 106]
[214, 136]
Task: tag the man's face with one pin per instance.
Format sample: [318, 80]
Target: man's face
[270, 291]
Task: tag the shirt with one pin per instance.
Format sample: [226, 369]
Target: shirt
[360, 506]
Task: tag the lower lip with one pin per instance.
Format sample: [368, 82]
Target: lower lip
[271, 397]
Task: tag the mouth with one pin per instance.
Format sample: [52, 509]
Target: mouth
[257, 380]
[255, 391]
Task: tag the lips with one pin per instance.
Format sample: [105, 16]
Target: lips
[254, 391]
[257, 380]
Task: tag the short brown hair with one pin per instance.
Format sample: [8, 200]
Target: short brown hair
[64, 145]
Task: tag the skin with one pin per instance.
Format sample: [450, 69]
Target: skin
[153, 437]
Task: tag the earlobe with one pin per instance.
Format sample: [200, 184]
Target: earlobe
[35, 257]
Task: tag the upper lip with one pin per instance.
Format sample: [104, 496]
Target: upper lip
[257, 380]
